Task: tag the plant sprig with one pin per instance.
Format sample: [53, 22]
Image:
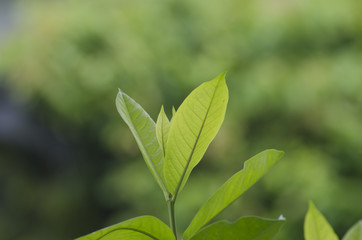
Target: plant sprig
[171, 149]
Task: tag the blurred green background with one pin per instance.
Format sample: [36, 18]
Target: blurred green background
[68, 163]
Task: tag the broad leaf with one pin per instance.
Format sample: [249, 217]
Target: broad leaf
[139, 228]
[143, 129]
[355, 232]
[254, 169]
[162, 129]
[316, 226]
[247, 228]
[194, 126]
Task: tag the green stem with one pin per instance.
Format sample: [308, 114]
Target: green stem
[171, 214]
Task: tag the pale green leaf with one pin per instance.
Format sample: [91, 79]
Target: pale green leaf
[162, 129]
[247, 228]
[143, 129]
[254, 169]
[139, 228]
[355, 232]
[316, 226]
[193, 127]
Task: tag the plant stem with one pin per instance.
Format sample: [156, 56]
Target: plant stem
[171, 214]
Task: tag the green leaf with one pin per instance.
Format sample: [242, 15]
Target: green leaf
[355, 232]
[316, 226]
[162, 129]
[139, 228]
[194, 126]
[254, 169]
[143, 129]
[247, 228]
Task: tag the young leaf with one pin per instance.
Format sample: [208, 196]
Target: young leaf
[254, 169]
[143, 129]
[139, 228]
[355, 232]
[247, 228]
[316, 226]
[194, 125]
[162, 129]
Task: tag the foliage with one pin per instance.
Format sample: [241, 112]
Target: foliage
[254, 169]
[316, 227]
[294, 81]
[184, 140]
[247, 228]
[139, 228]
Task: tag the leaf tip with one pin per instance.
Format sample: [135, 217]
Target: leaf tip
[311, 204]
[222, 76]
[274, 154]
[120, 91]
[281, 153]
[162, 109]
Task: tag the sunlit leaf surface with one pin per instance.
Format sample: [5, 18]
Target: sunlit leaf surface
[247, 228]
[139, 228]
[316, 226]
[253, 170]
[194, 126]
[143, 129]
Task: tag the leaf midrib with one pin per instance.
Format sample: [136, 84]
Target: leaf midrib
[136, 132]
[130, 229]
[194, 147]
[163, 136]
[315, 221]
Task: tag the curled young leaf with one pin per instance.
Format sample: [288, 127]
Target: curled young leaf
[143, 129]
[162, 129]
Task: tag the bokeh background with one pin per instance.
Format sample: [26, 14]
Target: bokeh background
[68, 163]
